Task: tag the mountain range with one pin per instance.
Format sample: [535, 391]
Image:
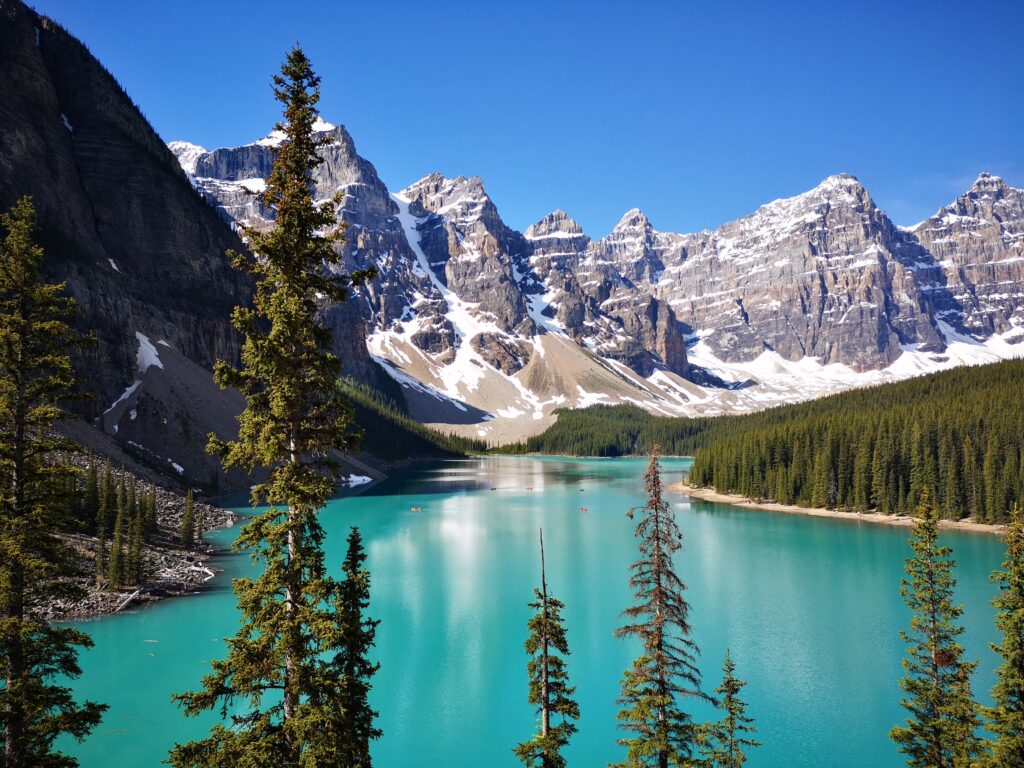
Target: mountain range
[489, 330]
[470, 324]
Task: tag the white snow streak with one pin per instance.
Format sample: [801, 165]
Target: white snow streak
[147, 354]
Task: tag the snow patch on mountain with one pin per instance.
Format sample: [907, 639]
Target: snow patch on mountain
[146, 356]
[187, 154]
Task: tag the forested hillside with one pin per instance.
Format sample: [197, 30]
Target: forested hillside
[616, 430]
[958, 434]
[390, 435]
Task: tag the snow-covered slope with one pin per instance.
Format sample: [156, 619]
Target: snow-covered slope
[490, 330]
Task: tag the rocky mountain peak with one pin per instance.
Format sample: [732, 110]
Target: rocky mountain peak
[633, 219]
[839, 188]
[187, 154]
[987, 182]
[980, 235]
[840, 180]
[461, 196]
[989, 200]
[556, 224]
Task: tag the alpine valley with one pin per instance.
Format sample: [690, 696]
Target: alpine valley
[470, 325]
[489, 330]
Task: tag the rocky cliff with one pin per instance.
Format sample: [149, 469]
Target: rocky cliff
[978, 240]
[477, 324]
[825, 274]
[119, 220]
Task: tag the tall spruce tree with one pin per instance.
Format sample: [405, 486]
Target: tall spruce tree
[151, 526]
[116, 564]
[35, 377]
[91, 496]
[188, 522]
[655, 688]
[1006, 716]
[283, 661]
[549, 689]
[943, 716]
[724, 744]
[354, 718]
[103, 524]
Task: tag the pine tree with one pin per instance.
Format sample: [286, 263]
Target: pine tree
[1006, 717]
[151, 525]
[188, 522]
[35, 377]
[862, 476]
[104, 515]
[133, 566]
[352, 712]
[549, 689]
[993, 482]
[724, 743]
[972, 479]
[283, 659]
[656, 686]
[133, 498]
[103, 524]
[91, 497]
[943, 717]
[115, 568]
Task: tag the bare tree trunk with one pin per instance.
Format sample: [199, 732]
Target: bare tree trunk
[292, 595]
[14, 604]
[14, 753]
[545, 723]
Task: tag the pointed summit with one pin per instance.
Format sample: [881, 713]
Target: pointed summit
[840, 178]
[845, 183]
[437, 185]
[633, 219]
[987, 182]
[556, 224]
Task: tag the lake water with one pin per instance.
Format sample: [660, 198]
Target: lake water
[809, 607]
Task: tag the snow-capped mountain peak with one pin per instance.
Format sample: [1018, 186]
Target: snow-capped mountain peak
[483, 325]
[187, 154]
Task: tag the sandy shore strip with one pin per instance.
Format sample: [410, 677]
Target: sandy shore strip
[709, 494]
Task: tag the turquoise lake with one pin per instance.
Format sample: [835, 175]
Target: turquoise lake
[809, 607]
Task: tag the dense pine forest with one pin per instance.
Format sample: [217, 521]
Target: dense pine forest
[958, 434]
[616, 430]
[391, 435]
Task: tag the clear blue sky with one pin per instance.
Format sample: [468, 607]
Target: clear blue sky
[694, 112]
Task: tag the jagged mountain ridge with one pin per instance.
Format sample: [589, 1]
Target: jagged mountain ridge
[466, 310]
[457, 313]
[142, 254]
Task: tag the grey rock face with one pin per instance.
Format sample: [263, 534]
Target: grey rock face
[228, 176]
[824, 274]
[118, 219]
[471, 250]
[598, 301]
[979, 242]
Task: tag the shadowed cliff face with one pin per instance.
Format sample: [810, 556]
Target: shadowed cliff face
[141, 251]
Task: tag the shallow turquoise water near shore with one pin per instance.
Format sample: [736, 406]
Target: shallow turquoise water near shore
[809, 607]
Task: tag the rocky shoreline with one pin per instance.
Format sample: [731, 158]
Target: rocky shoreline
[709, 494]
[171, 569]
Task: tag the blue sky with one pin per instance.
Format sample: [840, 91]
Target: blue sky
[694, 112]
